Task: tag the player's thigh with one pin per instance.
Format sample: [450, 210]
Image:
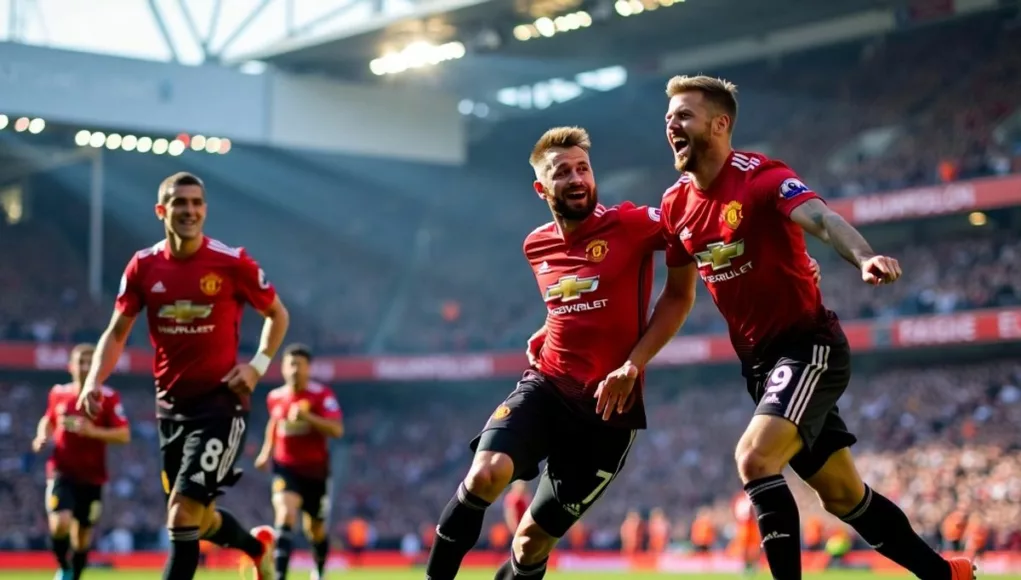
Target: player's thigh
[580, 469]
[315, 499]
[520, 429]
[88, 504]
[803, 387]
[837, 482]
[59, 502]
[287, 492]
[209, 457]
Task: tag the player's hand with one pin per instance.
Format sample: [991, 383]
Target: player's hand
[242, 379]
[39, 443]
[90, 400]
[880, 270]
[613, 391]
[262, 462]
[813, 265]
[535, 343]
[84, 427]
[297, 411]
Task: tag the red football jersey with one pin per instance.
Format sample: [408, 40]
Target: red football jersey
[596, 282]
[750, 255]
[81, 459]
[298, 446]
[194, 308]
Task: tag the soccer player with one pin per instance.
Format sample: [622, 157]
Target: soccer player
[303, 415]
[76, 470]
[194, 289]
[593, 266]
[740, 218]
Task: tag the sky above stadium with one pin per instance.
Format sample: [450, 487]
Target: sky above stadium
[128, 27]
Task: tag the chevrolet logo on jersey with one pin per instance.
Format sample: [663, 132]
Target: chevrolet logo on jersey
[570, 288]
[718, 254]
[185, 312]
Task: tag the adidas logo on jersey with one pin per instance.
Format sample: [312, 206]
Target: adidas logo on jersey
[158, 288]
[199, 478]
[543, 268]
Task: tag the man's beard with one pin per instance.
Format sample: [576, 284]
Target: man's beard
[697, 146]
[562, 207]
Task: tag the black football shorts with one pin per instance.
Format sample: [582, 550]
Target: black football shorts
[200, 455]
[802, 383]
[83, 500]
[314, 492]
[582, 456]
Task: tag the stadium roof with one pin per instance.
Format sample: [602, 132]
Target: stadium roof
[496, 59]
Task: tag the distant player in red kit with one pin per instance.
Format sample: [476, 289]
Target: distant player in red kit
[303, 415]
[76, 470]
[515, 504]
[740, 218]
[593, 266]
[194, 289]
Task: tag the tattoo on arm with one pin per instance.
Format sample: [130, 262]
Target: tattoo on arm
[817, 219]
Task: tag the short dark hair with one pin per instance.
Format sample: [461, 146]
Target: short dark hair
[558, 138]
[721, 93]
[298, 349]
[168, 185]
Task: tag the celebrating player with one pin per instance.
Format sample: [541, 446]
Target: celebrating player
[739, 218]
[76, 470]
[302, 415]
[194, 289]
[593, 266]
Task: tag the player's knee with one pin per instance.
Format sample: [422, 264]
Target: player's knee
[490, 474]
[285, 512]
[755, 463]
[532, 544]
[315, 530]
[185, 512]
[81, 539]
[60, 524]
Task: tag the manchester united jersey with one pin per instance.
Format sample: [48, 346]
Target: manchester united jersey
[77, 457]
[297, 445]
[596, 282]
[749, 253]
[194, 307]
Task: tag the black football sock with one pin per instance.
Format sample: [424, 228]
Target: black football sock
[61, 546]
[513, 570]
[885, 527]
[321, 551]
[183, 561]
[779, 524]
[458, 530]
[78, 562]
[232, 535]
[282, 553]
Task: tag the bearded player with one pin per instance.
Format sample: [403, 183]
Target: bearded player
[740, 219]
[76, 470]
[303, 416]
[194, 290]
[593, 266]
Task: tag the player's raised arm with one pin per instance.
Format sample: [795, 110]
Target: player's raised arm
[816, 218]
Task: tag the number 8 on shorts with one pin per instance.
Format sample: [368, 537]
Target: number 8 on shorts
[199, 455]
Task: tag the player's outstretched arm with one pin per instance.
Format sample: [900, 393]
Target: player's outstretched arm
[816, 218]
[262, 460]
[112, 435]
[244, 377]
[43, 432]
[108, 352]
[326, 426]
[671, 310]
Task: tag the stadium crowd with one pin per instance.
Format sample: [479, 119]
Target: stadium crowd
[941, 440]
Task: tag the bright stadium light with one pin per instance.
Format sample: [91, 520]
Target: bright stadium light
[36, 126]
[21, 124]
[97, 139]
[522, 32]
[198, 142]
[160, 146]
[4, 121]
[416, 55]
[225, 146]
[546, 27]
[129, 142]
[113, 141]
[144, 145]
[81, 138]
[176, 147]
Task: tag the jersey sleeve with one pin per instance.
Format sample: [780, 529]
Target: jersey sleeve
[51, 410]
[113, 410]
[676, 254]
[130, 298]
[780, 184]
[645, 227]
[329, 408]
[252, 284]
[273, 407]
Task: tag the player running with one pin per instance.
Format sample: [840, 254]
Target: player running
[76, 470]
[594, 269]
[739, 219]
[194, 289]
[302, 416]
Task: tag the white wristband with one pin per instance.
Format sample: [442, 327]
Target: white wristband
[260, 363]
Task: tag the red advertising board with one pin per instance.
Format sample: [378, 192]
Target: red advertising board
[980, 326]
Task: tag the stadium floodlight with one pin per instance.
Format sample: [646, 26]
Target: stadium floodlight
[416, 55]
[113, 141]
[4, 121]
[523, 32]
[144, 145]
[36, 126]
[225, 146]
[21, 124]
[176, 147]
[547, 27]
[97, 139]
[81, 138]
[198, 142]
[160, 146]
[129, 143]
